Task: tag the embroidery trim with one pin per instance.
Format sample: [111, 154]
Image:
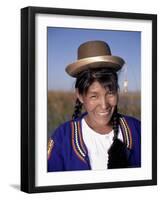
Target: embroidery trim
[129, 134]
[126, 133]
[80, 138]
[77, 140]
[75, 144]
[123, 131]
[50, 147]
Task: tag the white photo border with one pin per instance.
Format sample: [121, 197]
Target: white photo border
[42, 178]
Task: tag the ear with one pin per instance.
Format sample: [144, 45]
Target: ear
[79, 96]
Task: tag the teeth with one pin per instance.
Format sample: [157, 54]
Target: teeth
[104, 113]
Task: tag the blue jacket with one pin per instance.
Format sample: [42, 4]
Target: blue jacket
[67, 150]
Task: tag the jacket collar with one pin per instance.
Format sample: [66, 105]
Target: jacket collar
[77, 140]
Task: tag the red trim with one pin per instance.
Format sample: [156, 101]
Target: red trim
[73, 144]
[80, 137]
[130, 135]
[123, 130]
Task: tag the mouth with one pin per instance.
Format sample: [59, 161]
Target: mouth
[105, 113]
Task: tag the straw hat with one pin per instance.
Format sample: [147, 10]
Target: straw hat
[94, 54]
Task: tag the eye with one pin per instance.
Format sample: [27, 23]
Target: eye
[93, 96]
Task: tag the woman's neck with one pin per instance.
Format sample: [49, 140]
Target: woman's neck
[101, 129]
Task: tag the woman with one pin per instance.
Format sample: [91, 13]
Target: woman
[100, 138]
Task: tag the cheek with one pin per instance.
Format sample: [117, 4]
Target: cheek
[89, 105]
[92, 105]
[113, 101]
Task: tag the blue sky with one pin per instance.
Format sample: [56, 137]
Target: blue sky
[62, 50]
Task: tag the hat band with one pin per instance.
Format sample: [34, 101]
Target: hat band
[114, 62]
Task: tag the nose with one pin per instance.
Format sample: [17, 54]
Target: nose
[104, 103]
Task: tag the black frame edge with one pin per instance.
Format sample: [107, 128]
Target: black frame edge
[96, 13]
[93, 186]
[24, 100]
[28, 99]
[154, 99]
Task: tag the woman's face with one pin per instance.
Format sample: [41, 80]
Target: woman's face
[99, 103]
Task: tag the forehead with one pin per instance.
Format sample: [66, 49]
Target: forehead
[96, 87]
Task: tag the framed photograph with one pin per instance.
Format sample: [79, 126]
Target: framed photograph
[88, 99]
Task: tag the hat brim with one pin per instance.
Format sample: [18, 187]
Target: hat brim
[112, 62]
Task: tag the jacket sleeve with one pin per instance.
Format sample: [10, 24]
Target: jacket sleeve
[55, 158]
[137, 143]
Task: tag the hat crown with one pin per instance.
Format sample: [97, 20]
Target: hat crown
[94, 54]
[92, 49]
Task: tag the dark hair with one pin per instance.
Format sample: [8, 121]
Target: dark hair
[107, 78]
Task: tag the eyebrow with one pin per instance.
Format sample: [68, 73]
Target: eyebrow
[95, 92]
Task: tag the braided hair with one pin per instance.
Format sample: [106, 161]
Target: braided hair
[77, 109]
[117, 154]
[115, 123]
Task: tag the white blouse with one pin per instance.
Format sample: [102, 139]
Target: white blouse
[98, 145]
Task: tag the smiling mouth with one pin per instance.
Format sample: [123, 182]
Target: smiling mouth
[107, 112]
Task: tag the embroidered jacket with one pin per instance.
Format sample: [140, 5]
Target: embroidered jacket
[67, 150]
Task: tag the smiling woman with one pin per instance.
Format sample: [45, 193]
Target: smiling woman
[100, 99]
[101, 138]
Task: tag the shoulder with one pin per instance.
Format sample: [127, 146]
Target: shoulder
[61, 131]
[64, 130]
[132, 122]
[130, 119]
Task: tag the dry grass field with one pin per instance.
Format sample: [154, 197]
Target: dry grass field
[61, 104]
